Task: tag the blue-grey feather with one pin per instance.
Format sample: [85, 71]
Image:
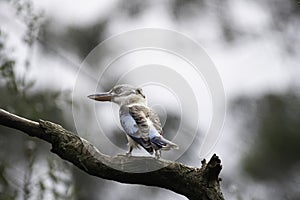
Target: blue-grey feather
[132, 130]
[129, 125]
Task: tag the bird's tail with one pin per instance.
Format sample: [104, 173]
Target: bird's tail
[170, 145]
[163, 143]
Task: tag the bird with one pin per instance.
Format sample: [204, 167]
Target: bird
[140, 123]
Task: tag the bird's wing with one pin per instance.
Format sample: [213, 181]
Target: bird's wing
[149, 122]
[134, 121]
[155, 133]
[146, 119]
[143, 125]
[140, 114]
[153, 116]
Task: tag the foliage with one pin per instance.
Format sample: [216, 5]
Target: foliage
[273, 122]
[21, 156]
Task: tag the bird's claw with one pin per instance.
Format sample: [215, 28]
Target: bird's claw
[157, 154]
[128, 154]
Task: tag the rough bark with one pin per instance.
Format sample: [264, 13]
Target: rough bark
[194, 183]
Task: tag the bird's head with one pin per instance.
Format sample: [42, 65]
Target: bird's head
[121, 95]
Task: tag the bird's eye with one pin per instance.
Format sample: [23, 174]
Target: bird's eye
[118, 91]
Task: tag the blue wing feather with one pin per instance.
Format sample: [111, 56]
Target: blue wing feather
[129, 125]
[133, 131]
[143, 126]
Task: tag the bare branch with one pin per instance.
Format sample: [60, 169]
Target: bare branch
[194, 183]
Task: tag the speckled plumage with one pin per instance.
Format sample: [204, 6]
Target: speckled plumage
[140, 123]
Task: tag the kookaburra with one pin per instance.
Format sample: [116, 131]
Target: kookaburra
[141, 123]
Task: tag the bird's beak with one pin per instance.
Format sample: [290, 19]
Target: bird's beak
[101, 97]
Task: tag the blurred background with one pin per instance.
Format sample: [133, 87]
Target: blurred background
[255, 46]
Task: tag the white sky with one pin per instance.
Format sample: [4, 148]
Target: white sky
[248, 67]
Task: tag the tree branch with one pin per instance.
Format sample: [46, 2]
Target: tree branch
[194, 183]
